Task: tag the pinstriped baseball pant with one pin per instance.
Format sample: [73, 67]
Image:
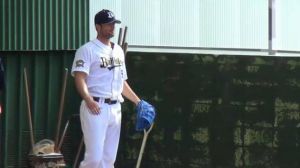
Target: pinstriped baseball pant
[101, 135]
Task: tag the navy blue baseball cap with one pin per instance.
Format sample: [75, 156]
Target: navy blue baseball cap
[105, 16]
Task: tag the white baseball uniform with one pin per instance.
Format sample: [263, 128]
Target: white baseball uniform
[106, 73]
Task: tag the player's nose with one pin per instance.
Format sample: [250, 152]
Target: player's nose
[112, 25]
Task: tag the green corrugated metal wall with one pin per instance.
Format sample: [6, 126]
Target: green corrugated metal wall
[41, 36]
[43, 25]
[45, 72]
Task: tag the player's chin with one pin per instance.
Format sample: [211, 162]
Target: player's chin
[110, 36]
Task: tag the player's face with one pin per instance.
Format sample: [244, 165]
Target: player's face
[107, 30]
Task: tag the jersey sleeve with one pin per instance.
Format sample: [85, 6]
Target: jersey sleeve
[82, 61]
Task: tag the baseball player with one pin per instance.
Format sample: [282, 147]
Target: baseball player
[100, 78]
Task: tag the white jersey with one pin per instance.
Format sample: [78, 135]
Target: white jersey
[105, 69]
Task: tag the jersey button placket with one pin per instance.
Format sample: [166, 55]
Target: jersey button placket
[113, 79]
[114, 88]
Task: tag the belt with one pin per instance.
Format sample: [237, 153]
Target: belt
[108, 101]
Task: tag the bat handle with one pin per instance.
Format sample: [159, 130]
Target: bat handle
[78, 153]
[28, 109]
[146, 133]
[61, 106]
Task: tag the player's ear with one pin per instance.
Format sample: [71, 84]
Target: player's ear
[98, 27]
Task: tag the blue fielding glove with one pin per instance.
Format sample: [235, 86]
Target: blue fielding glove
[145, 115]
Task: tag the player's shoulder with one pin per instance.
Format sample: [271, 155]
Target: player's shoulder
[85, 47]
[118, 48]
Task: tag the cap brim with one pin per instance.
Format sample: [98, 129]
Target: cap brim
[114, 21]
[117, 21]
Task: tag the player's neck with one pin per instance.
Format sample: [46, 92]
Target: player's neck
[104, 40]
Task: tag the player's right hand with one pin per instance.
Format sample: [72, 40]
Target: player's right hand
[93, 106]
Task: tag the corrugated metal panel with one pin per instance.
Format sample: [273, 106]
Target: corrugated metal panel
[191, 23]
[287, 27]
[45, 72]
[43, 25]
[232, 23]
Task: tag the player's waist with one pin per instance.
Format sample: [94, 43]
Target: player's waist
[105, 92]
[106, 100]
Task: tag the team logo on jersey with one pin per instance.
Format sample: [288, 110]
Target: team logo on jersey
[110, 63]
[80, 63]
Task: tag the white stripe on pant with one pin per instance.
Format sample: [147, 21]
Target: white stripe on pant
[101, 135]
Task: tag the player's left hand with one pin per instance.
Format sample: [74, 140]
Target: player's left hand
[145, 115]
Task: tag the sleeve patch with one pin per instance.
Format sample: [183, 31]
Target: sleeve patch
[79, 63]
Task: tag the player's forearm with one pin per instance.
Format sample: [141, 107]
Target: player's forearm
[129, 94]
[82, 87]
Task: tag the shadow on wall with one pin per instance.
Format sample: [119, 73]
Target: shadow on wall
[225, 111]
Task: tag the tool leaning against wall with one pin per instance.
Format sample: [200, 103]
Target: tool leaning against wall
[45, 153]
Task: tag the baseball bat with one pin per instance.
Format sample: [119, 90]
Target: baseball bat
[28, 109]
[146, 133]
[120, 37]
[78, 153]
[124, 37]
[61, 107]
[125, 48]
[63, 136]
[65, 130]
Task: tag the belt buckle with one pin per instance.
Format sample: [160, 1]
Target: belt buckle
[109, 101]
